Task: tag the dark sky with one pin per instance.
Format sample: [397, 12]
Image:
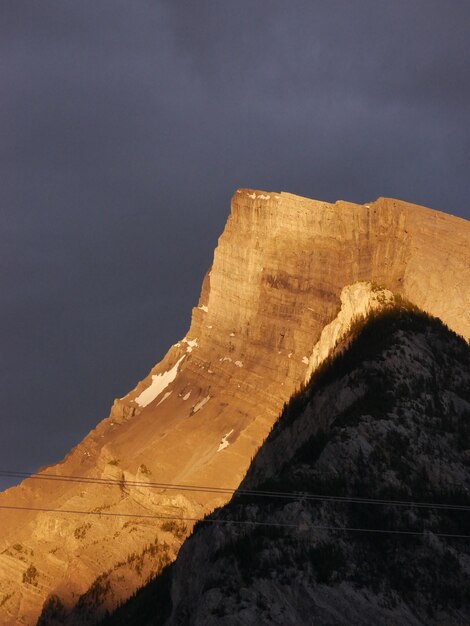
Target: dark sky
[125, 127]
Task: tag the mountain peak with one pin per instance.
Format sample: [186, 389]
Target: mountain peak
[288, 276]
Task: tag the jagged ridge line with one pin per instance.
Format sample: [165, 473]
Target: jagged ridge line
[293, 495]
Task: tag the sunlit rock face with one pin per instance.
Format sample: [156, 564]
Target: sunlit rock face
[284, 269]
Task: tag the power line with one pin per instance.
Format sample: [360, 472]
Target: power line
[292, 495]
[212, 520]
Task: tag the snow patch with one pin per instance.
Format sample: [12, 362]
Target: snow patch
[223, 442]
[226, 358]
[185, 397]
[198, 406]
[191, 343]
[204, 308]
[232, 334]
[305, 360]
[158, 384]
[168, 393]
[289, 355]
[239, 363]
[260, 196]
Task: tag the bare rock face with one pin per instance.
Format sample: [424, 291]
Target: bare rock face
[285, 268]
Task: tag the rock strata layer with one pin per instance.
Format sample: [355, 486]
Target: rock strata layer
[277, 279]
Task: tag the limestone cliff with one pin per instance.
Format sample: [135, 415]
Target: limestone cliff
[276, 281]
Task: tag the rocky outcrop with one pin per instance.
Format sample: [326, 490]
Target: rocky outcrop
[200, 415]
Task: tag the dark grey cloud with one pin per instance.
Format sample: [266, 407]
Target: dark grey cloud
[126, 126]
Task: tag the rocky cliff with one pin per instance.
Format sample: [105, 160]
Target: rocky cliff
[284, 269]
[355, 510]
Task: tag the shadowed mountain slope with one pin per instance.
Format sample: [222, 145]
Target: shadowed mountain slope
[388, 419]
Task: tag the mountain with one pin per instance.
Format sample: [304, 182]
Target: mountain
[381, 436]
[288, 277]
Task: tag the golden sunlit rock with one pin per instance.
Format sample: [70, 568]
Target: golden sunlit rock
[288, 276]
